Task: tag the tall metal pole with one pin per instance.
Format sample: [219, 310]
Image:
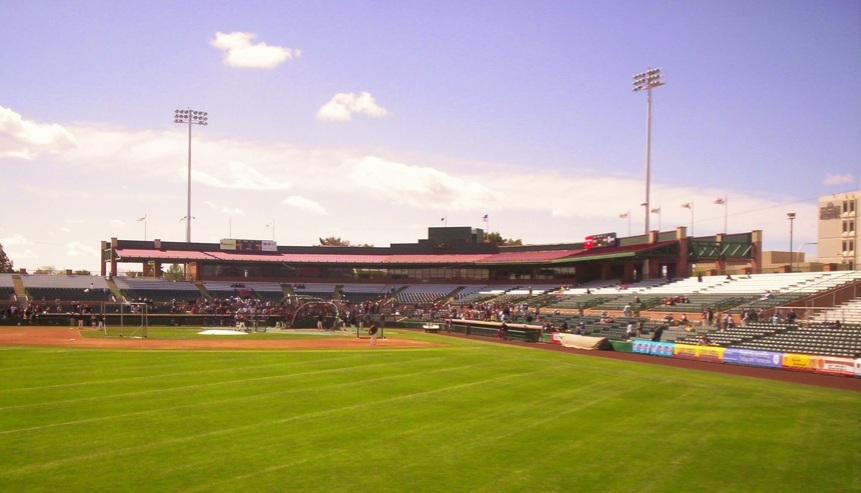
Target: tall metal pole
[791, 216]
[647, 81]
[188, 210]
[648, 153]
[191, 117]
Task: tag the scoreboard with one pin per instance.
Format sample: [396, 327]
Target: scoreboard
[598, 241]
[249, 245]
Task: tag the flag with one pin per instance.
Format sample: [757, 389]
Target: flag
[442, 219]
[182, 219]
[656, 210]
[143, 218]
[623, 216]
[720, 201]
[484, 218]
[268, 224]
[688, 205]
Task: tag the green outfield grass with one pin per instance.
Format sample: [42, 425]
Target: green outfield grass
[470, 416]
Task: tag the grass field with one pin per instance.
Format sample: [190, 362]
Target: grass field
[471, 416]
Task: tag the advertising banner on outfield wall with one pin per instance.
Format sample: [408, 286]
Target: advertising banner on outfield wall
[642, 347]
[835, 365]
[704, 353]
[653, 348]
[750, 357]
[803, 362]
[556, 337]
[666, 349]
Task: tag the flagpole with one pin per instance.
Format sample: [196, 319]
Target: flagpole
[144, 227]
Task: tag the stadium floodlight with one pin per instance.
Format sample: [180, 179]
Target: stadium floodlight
[190, 117]
[646, 81]
[791, 216]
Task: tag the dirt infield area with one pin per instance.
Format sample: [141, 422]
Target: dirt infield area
[35, 336]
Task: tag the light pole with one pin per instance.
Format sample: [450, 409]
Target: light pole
[192, 118]
[648, 80]
[791, 216]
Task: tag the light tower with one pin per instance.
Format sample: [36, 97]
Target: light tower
[192, 118]
[646, 81]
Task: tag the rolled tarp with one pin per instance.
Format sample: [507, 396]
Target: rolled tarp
[584, 342]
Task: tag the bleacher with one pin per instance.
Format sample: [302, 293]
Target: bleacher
[359, 293]
[156, 289]
[814, 339]
[7, 287]
[322, 290]
[425, 293]
[267, 291]
[65, 288]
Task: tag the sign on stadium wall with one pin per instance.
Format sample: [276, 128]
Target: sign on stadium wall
[836, 365]
[751, 357]
[653, 348]
[802, 362]
[858, 367]
[249, 245]
[704, 353]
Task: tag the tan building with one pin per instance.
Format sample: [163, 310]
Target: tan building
[838, 229]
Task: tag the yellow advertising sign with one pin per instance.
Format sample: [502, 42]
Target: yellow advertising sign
[800, 361]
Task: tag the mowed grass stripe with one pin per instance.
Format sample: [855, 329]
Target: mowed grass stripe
[211, 399]
[159, 384]
[194, 434]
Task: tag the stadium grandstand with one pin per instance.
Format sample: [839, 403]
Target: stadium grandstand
[602, 286]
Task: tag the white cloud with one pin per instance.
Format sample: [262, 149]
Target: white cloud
[25, 139]
[240, 52]
[228, 210]
[837, 179]
[210, 204]
[16, 239]
[26, 254]
[342, 106]
[116, 223]
[560, 213]
[66, 230]
[422, 187]
[76, 248]
[305, 204]
[238, 175]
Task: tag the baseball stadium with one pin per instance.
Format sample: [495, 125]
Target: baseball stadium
[660, 362]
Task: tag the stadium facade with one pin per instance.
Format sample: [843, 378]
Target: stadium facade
[447, 255]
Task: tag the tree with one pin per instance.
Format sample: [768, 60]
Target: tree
[332, 241]
[174, 273]
[6, 264]
[46, 269]
[83, 272]
[497, 238]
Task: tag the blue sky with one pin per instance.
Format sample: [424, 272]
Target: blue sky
[518, 110]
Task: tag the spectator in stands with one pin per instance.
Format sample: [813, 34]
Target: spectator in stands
[791, 317]
[727, 321]
[775, 319]
[684, 319]
[580, 328]
[626, 312]
[629, 332]
[704, 341]
[640, 327]
[836, 325]
[659, 331]
[767, 296]
[565, 327]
